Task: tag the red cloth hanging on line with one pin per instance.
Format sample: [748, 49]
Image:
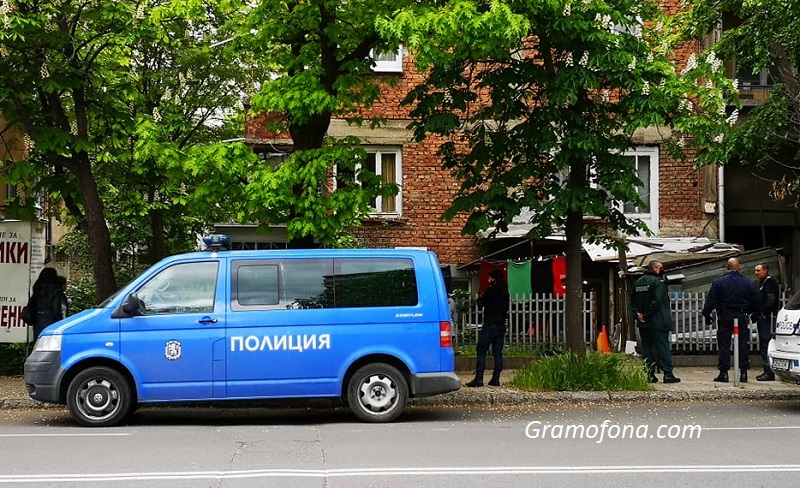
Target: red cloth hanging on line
[559, 275]
[487, 266]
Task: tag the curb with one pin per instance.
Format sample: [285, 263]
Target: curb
[512, 397]
[508, 396]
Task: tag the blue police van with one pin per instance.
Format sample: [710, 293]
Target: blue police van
[370, 326]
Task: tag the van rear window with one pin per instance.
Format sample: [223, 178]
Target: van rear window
[324, 283]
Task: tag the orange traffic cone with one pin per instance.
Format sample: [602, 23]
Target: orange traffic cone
[602, 341]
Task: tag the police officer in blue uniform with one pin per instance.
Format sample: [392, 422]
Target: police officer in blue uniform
[733, 297]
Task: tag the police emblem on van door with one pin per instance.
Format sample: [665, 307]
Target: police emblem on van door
[172, 350]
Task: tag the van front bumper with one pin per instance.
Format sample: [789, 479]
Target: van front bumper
[429, 384]
[42, 374]
[784, 363]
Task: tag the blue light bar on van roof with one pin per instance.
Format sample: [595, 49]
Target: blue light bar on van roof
[217, 242]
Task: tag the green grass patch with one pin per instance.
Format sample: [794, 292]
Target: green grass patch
[593, 372]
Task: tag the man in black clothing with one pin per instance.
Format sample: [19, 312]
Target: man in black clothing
[495, 313]
[734, 297]
[768, 291]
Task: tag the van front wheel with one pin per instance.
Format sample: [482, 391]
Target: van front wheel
[99, 397]
[377, 393]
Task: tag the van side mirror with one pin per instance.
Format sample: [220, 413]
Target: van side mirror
[132, 306]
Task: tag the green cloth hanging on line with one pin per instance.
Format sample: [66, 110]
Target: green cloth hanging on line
[519, 280]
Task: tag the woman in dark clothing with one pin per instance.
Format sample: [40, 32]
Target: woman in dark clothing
[49, 300]
[495, 312]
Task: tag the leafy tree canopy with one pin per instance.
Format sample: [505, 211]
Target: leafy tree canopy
[537, 101]
[321, 55]
[118, 100]
[759, 35]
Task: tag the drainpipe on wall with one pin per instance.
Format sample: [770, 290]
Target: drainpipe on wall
[721, 202]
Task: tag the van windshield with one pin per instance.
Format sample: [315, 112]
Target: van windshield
[794, 303]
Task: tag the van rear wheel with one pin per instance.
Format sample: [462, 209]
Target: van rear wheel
[99, 397]
[377, 393]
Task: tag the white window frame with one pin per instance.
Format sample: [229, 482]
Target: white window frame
[650, 217]
[384, 65]
[398, 178]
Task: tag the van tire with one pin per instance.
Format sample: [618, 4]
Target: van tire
[377, 393]
[99, 397]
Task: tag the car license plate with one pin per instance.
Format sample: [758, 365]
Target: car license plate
[782, 364]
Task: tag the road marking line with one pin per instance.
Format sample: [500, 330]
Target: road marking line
[56, 434]
[433, 471]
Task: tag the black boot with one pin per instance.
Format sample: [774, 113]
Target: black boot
[478, 381]
[722, 378]
[495, 381]
[652, 378]
[743, 376]
[766, 376]
[670, 378]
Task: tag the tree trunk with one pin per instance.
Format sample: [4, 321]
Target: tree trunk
[786, 74]
[574, 298]
[311, 134]
[96, 231]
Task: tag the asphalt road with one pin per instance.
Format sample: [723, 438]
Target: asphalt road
[714, 444]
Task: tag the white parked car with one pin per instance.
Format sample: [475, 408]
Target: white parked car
[784, 349]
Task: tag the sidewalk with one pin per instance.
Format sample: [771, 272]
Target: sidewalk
[696, 385]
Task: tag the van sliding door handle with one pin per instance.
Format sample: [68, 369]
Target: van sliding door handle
[207, 320]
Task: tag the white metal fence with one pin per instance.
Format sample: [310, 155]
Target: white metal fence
[538, 324]
[534, 323]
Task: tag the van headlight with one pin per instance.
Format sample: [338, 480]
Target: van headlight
[49, 343]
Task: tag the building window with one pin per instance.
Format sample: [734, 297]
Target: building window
[645, 163]
[386, 163]
[389, 62]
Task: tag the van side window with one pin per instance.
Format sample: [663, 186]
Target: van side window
[323, 283]
[388, 282]
[257, 284]
[308, 283]
[182, 288]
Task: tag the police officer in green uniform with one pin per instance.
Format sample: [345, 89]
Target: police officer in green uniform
[652, 315]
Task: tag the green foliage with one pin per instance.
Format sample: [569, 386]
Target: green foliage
[12, 359]
[593, 372]
[536, 103]
[115, 98]
[320, 52]
[769, 23]
[297, 192]
[768, 36]
[82, 294]
[551, 96]
[73, 252]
